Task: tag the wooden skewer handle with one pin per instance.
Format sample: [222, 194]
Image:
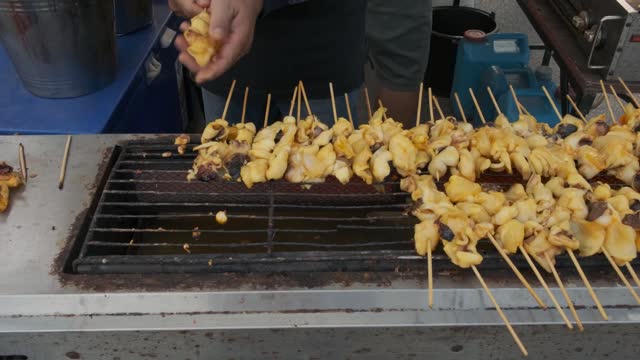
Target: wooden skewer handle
[620, 274]
[502, 315]
[23, 163]
[546, 287]
[564, 292]
[430, 274]
[517, 272]
[65, 158]
[633, 274]
[586, 282]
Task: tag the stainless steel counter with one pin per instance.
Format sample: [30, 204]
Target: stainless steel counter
[43, 311]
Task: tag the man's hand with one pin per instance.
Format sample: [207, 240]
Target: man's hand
[188, 8]
[232, 25]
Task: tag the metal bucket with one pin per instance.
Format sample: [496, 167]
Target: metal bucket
[449, 24]
[60, 48]
[132, 15]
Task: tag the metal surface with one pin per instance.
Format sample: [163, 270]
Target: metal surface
[45, 312]
[61, 48]
[132, 15]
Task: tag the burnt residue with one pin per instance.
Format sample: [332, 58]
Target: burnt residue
[279, 135]
[210, 172]
[414, 206]
[62, 261]
[565, 130]
[445, 232]
[486, 187]
[235, 164]
[596, 210]
[230, 281]
[585, 141]
[317, 131]
[636, 182]
[5, 168]
[376, 310]
[632, 220]
[601, 127]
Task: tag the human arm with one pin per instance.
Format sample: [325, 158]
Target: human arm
[188, 8]
[232, 25]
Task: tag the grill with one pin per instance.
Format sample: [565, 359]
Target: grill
[145, 212]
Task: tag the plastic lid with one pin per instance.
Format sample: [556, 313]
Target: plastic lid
[475, 35]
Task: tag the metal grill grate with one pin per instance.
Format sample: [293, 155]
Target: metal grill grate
[147, 211]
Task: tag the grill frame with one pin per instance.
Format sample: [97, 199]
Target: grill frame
[390, 255]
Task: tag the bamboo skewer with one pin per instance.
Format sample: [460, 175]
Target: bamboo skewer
[23, 162]
[437, 104]
[517, 272]
[65, 159]
[226, 104]
[633, 274]
[244, 104]
[430, 94]
[564, 292]
[626, 88]
[299, 99]
[615, 95]
[266, 111]
[493, 100]
[293, 101]
[524, 109]
[368, 103]
[587, 284]
[553, 103]
[346, 101]
[333, 103]
[606, 99]
[502, 315]
[419, 111]
[475, 102]
[430, 274]
[546, 287]
[464, 117]
[515, 99]
[620, 274]
[576, 108]
[384, 113]
[304, 97]
[429, 255]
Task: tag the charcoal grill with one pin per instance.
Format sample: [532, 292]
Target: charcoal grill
[149, 218]
[48, 308]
